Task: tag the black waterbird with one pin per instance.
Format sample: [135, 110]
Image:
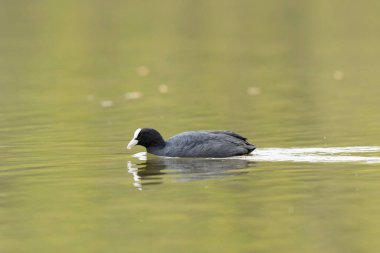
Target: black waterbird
[205, 143]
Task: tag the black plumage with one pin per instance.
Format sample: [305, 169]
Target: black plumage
[193, 143]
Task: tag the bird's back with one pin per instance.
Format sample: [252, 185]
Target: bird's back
[207, 144]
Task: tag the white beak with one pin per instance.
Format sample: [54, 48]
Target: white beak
[132, 143]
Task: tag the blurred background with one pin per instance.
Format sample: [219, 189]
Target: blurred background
[78, 77]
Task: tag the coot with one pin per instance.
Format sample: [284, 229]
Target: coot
[192, 144]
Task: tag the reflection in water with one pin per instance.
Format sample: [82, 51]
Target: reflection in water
[187, 169]
[198, 169]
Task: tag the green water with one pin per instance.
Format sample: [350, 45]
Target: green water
[284, 74]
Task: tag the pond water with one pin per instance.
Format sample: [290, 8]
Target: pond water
[299, 79]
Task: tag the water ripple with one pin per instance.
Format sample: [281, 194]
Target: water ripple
[310, 155]
[316, 155]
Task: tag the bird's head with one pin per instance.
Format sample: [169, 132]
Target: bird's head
[146, 137]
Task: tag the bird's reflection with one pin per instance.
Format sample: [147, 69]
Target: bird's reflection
[153, 170]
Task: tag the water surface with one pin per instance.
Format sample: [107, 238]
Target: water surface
[299, 79]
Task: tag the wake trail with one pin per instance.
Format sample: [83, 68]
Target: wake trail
[368, 154]
[317, 155]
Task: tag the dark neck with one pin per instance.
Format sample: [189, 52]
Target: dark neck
[157, 142]
[157, 148]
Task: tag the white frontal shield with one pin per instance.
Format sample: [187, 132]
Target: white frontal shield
[134, 142]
